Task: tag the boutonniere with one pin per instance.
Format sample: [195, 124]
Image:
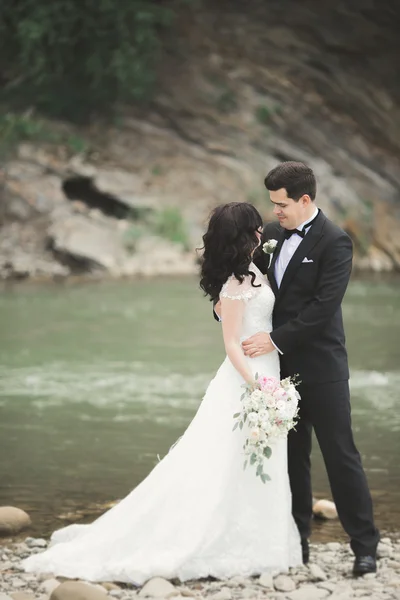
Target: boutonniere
[269, 248]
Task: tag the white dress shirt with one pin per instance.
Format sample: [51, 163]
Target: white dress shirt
[288, 248]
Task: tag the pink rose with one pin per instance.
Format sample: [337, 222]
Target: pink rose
[269, 384]
[280, 394]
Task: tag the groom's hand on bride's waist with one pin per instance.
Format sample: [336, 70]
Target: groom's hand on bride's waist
[258, 344]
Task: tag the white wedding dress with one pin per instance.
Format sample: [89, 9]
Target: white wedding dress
[198, 513]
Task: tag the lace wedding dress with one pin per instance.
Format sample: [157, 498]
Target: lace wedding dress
[198, 513]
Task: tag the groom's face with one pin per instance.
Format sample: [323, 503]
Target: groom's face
[289, 212]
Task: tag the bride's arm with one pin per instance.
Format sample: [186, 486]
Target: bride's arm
[232, 317]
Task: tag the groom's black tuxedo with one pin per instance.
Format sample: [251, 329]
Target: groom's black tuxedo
[307, 318]
[308, 330]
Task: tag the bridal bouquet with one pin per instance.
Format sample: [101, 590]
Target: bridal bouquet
[270, 409]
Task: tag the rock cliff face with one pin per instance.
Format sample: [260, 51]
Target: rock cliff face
[243, 85]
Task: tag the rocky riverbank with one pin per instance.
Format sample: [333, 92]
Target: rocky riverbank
[327, 576]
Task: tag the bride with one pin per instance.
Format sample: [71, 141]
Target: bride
[198, 513]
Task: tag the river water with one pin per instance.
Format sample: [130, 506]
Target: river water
[98, 379]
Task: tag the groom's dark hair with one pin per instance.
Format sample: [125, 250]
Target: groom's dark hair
[296, 177]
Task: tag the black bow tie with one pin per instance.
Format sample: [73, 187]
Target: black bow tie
[290, 232]
[302, 232]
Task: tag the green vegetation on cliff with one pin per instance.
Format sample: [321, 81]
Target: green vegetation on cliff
[69, 58]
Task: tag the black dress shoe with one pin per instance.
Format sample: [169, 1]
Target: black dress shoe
[364, 565]
[305, 548]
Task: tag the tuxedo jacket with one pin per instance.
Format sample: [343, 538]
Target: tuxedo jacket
[307, 317]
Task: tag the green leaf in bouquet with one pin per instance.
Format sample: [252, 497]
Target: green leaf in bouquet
[236, 415]
[259, 469]
[243, 396]
[241, 425]
[245, 464]
[235, 426]
[245, 417]
[265, 477]
[253, 458]
[267, 452]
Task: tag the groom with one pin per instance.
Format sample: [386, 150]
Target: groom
[309, 272]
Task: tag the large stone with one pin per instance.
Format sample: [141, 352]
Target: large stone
[317, 573]
[266, 580]
[283, 583]
[248, 593]
[124, 185]
[384, 551]
[75, 590]
[36, 543]
[158, 588]
[84, 239]
[308, 592]
[333, 546]
[18, 583]
[223, 594]
[49, 586]
[13, 520]
[187, 592]
[325, 509]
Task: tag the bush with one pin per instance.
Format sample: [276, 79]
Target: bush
[15, 128]
[169, 223]
[70, 58]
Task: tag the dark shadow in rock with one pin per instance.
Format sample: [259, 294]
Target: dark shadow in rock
[83, 189]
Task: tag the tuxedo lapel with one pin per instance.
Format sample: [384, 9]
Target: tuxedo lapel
[271, 268]
[307, 244]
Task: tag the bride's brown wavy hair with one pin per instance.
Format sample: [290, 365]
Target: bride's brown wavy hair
[228, 246]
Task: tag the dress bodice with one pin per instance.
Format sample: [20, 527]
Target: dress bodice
[259, 301]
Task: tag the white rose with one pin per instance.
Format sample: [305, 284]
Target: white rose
[291, 408]
[252, 417]
[269, 246]
[248, 404]
[257, 396]
[270, 401]
[281, 406]
[266, 426]
[254, 434]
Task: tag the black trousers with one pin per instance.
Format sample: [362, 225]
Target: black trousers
[326, 408]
